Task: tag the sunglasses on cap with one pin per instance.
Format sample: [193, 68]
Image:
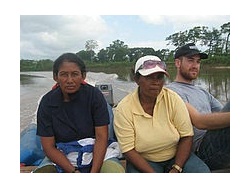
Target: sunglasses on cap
[149, 64]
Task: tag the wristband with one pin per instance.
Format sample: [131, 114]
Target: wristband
[177, 167]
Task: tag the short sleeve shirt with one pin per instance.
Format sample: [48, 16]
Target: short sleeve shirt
[154, 137]
[201, 99]
[73, 120]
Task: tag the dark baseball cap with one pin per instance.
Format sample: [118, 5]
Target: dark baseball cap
[189, 50]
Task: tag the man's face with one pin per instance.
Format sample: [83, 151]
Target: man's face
[189, 67]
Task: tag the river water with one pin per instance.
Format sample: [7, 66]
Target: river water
[34, 84]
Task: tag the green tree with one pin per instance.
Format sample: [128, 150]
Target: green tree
[178, 39]
[212, 39]
[216, 41]
[225, 30]
[135, 53]
[117, 51]
[194, 35]
[85, 55]
[103, 55]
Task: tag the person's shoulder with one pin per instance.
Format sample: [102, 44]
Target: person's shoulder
[128, 100]
[173, 87]
[93, 93]
[169, 92]
[171, 97]
[89, 88]
[51, 93]
[52, 97]
[126, 106]
[176, 84]
[181, 86]
[201, 88]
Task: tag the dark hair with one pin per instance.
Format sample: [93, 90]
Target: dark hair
[134, 75]
[71, 57]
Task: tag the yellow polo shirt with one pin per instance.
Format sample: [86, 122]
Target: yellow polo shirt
[154, 137]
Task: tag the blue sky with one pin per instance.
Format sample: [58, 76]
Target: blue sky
[44, 36]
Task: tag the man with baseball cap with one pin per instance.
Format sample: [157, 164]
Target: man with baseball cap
[152, 124]
[212, 129]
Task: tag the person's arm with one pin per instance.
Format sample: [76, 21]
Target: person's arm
[100, 148]
[138, 161]
[56, 155]
[125, 132]
[183, 152]
[210, 121]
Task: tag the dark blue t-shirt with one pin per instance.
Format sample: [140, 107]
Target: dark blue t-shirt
[73, 120]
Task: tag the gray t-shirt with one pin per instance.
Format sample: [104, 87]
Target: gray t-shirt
[201, 99]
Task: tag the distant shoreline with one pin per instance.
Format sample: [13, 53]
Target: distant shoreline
[222, 67]
[26, 74]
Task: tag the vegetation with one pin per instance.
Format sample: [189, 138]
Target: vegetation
[215, 42]
[31, 65]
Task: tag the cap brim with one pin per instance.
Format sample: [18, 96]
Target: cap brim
[202, 55]
[146, 72]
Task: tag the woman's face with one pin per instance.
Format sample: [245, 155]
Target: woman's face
[151, 85]
[69, 77]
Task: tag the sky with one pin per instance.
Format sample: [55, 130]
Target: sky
[48, 36]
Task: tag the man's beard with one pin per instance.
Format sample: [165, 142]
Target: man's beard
[187, 75]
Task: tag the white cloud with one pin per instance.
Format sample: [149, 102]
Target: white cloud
[45, 37]
[154, 19]
[49, 36]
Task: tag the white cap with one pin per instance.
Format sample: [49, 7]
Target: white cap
[145, 72]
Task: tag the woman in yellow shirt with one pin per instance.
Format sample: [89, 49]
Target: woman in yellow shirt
[152, 124]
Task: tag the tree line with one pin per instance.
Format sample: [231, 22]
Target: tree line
[216, 43]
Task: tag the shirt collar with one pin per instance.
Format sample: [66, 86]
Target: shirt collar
[138, 108]
[57, 96]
